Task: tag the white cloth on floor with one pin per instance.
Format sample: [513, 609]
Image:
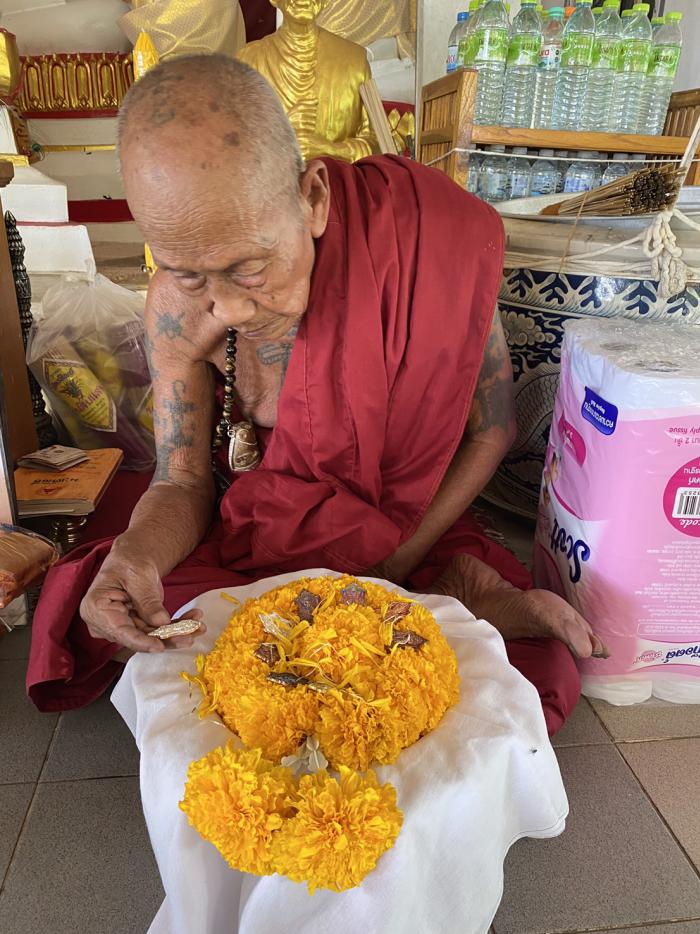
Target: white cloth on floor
[484, 778]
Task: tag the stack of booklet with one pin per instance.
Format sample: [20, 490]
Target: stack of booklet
[70, 491]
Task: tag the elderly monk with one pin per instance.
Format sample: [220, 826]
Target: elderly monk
[369, 360]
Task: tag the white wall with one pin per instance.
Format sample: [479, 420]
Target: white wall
[689, 71]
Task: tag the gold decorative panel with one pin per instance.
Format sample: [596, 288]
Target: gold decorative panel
[77, 83]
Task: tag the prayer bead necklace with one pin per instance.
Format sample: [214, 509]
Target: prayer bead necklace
[243, 450]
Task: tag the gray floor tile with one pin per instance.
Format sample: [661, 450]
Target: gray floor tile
[91, 743]
[679, 927]
[582, 728]
[615, 865]
[84, 862]
[654, 720]
[16, 644]
[24, 732]
[14, 801]
[668, 772]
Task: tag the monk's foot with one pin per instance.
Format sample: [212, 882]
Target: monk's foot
[517, 614]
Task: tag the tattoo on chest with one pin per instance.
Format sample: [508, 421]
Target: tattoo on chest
[276, 354]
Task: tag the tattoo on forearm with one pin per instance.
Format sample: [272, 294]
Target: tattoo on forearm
[492, 406]
[175, 428]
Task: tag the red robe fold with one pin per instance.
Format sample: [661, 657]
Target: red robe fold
[374, 405]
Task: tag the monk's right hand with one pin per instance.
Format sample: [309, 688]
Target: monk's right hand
[125, 603]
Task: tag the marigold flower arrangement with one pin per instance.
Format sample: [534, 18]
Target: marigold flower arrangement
[319, 672]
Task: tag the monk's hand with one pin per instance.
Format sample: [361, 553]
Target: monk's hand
[125, 603]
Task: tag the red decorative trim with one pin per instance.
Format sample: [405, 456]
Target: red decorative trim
[401, 106]
[99, 211]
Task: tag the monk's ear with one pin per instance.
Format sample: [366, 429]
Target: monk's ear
[316, 194]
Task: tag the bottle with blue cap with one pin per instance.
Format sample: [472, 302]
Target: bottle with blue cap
[453, 42]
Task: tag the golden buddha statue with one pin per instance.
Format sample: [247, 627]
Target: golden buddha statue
[317, 76]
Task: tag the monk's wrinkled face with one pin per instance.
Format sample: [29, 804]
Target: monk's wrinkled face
[248, 259]
[301, 11]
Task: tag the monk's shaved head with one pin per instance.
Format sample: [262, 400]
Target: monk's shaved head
[208, 114]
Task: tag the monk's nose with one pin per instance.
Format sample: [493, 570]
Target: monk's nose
[231, 305]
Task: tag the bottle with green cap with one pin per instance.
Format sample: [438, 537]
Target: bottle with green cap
[656, 23]
[548, 68]
[521, 66]
[663, 65]
[467, 47]
[491, 43]
[630, 81]
[606, 52]
[576, 56]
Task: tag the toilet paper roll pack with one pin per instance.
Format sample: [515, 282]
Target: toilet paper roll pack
[618, 530]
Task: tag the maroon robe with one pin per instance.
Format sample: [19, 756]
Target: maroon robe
[373, 408]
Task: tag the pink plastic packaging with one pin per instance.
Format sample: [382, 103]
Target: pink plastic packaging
[618, 530]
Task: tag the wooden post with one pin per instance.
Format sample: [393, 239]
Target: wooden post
[22, 437]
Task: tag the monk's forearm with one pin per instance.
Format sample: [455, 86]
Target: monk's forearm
[167, 524]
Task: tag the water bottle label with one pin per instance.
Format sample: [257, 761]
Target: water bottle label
[451, 57]
[550, 57]
[634, 57]
[664, 61]
[492, 46]
[523, 50]
[519, 186]
[577, 49]
[606, 53]
[573, 185]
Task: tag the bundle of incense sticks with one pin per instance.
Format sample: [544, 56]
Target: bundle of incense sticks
[377, 117]
[650, 190]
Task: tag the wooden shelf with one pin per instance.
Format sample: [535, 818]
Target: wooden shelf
[570, 140]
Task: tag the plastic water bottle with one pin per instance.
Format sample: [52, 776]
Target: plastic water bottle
[521, 66]
[453, 42]
[543, 180]
[490, 61]
[520, 173]
[561, 165]
[572, 80]
[467, 44]
[548, 68]
[617, 168]
[473, 172]
[494, 179]
[665, 56]
[582, 176]
[637, 162]
[606, 52]
[633, 63]
[656, 23]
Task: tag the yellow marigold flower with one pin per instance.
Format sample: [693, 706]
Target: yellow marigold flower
[237, 800]
[368, 701]
[339, 831]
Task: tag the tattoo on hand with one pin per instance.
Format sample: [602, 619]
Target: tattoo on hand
[169, 325]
